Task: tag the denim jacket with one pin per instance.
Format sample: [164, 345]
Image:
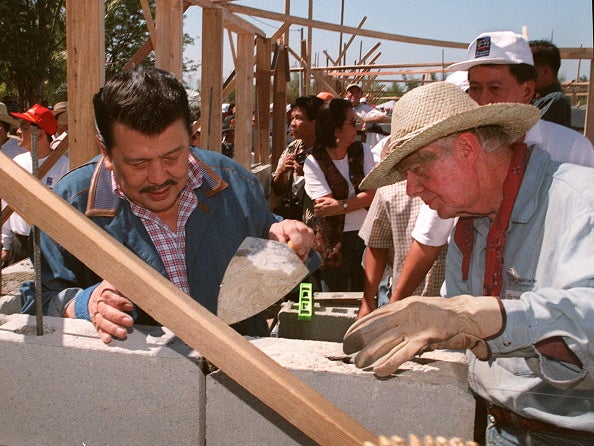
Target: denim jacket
[231, 206]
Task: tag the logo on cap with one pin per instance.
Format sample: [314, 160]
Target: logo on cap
[483, 46]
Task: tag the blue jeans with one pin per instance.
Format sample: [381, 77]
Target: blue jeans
[384, 289]
[510, 436]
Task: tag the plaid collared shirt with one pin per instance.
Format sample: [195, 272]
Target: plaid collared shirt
[170, 245]
[389, 224]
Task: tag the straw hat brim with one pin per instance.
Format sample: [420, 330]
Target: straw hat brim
[9, 120]
[516, 120]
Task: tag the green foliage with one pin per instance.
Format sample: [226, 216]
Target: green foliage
[125, 32]
[395, 90]
[33, 43]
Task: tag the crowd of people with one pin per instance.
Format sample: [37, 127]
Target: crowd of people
[38, 131]
[467, 227]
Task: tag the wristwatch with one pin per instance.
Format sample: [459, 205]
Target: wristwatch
[345, 205]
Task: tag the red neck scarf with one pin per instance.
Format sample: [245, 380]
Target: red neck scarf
[464, 234]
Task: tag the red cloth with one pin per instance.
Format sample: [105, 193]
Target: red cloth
[464, 234]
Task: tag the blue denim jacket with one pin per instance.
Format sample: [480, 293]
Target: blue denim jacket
[548, 291]
[231, 206]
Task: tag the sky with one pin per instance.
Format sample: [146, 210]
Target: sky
[566, 23]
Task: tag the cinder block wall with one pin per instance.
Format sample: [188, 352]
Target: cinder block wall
[68, 388]
[427, 397]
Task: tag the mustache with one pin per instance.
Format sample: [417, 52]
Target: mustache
[150, 189]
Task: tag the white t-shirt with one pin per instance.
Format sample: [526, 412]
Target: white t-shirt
[563, 144]
[11, 147]
[380, 148]
[316, 185]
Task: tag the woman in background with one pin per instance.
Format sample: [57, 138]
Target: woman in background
[332, 173]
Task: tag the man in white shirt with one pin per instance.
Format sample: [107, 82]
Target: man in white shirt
[368, 116]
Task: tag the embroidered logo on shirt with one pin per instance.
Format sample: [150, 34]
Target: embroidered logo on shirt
[483, 46]
[516, 285]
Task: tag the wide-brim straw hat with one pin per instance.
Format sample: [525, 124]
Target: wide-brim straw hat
[5, 117]
[439, 109]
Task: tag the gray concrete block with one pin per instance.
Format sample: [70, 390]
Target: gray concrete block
[428, 396]
[10, 304]
[328, 323]
[68, 388]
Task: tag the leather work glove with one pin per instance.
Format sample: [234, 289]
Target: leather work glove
[397, 332]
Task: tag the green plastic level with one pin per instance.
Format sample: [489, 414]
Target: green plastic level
[305, 302]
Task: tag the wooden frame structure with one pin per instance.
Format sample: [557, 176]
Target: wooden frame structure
[85, 46]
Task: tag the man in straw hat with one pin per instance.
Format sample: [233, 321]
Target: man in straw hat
[500, 69]
[519, 271]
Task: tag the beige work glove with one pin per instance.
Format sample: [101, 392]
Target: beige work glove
[397, 332]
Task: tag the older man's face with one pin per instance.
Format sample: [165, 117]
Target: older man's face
[445, 180]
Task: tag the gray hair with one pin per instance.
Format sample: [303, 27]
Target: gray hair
[490, 137]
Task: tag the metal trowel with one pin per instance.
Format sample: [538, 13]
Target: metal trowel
[260, 273]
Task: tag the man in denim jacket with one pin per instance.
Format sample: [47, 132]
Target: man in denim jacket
[183, 210]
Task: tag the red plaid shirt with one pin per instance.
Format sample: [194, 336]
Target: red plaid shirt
[170, 245]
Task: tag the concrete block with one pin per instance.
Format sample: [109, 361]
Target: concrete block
[68, 388]
[329, 322]
[428, 396]
[12, 278]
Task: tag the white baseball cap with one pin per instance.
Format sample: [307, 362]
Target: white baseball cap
[497, 47]
[460, 79]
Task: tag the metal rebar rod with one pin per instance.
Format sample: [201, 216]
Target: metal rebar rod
[35, 235]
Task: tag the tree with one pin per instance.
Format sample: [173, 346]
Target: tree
[125, 32]
[33, 42]
[33, 45]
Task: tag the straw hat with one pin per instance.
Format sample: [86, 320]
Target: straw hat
[439, 109]
[5, 117]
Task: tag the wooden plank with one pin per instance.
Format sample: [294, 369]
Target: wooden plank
[85, 42]
[279, 112]
[239, 25]
[212, 78]
[196, 326]
[240, 9]
[148, 17]
[263, 80]
[145, 49]
[350, 41]
[169, 36]
[244, 99]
